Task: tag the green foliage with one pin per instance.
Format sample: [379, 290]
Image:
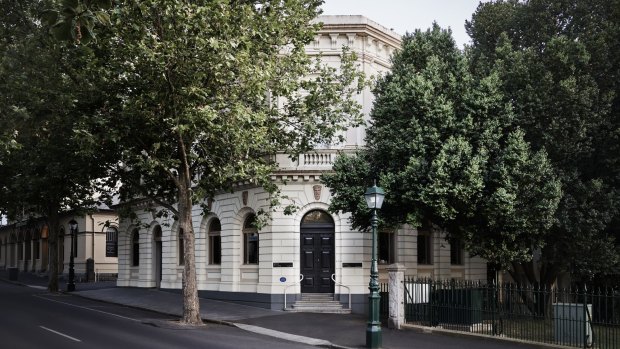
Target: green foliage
[210, 96]
[209, 92]
[75, 20]
[51, 96]
[445, 148]
[558, 63]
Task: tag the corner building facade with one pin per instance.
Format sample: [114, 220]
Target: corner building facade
[310, 251]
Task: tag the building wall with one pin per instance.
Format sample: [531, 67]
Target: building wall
[25, 245]
[279, 242]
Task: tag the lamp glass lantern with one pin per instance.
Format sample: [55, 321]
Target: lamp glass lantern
[73, 225]
[374, 197]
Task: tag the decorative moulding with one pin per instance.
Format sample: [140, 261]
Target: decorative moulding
[317, 191]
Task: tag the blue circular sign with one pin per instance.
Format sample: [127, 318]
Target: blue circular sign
[283, 279]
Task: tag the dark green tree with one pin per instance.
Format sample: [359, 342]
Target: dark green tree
[444, 146]
[558, 64]
[50, 100]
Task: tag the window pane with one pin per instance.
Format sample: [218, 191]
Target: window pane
[215, 225]
[386, 247]
[424, 249]
[111, 243]
[251, 248]
[136, 249]
[314, 217]
[456, 252]
[215, 250]
[249, 222]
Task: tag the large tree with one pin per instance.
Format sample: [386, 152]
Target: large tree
[211, 91]
[559, 65]
[50, 99]
[444, 146]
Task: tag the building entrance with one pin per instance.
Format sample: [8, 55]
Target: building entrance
[317, 254]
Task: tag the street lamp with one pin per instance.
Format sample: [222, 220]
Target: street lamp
[374, 199]
[71, 284]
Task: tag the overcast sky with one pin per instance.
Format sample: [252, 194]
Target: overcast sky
[408, 15]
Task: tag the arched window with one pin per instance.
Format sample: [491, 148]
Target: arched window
[135, 248]
[215, 242]
[250, 240]
[317, 217]
[111, 242]
[181, 248]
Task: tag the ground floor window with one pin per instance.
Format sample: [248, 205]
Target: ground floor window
[215, 242]
[250, 240]
[386, 247]
[111, 242]
[135, 248]
[456, 252]
[425, 248]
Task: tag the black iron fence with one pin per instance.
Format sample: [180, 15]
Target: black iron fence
[384, 304]
[578, 317]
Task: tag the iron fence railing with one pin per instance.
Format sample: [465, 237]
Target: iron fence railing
[384, 304]
[578, 317]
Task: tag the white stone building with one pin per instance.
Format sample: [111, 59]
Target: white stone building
[234, 262]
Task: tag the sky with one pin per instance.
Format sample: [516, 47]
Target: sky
[408, 15]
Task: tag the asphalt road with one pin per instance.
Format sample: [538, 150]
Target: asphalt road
[34, 318]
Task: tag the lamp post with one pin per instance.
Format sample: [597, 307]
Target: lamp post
[374, 199]
[71, 284]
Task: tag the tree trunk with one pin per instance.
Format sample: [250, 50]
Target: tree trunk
[539, 299]
[53, 227]
[191, 305]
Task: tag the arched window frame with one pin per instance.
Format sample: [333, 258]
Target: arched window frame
[215, 242]
[250, 240]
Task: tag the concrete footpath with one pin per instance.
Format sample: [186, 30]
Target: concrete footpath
[325, 330]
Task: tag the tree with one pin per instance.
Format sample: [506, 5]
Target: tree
[444, 146]
[50, 102]
[211, 90]
[558, 63]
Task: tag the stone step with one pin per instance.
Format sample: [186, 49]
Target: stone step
[312, 304]
[320, 310]
[327, 297]
[316, 300]
[318, 303]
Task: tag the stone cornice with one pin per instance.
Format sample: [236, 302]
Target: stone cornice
[359, 25]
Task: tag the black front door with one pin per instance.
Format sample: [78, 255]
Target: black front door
[317, 260]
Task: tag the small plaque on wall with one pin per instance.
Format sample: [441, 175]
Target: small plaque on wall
[351, 265]
[283, 265]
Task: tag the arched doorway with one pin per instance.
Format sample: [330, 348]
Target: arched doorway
[317, 254]
[157, 261]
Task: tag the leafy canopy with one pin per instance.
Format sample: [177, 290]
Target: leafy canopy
[444, 146]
